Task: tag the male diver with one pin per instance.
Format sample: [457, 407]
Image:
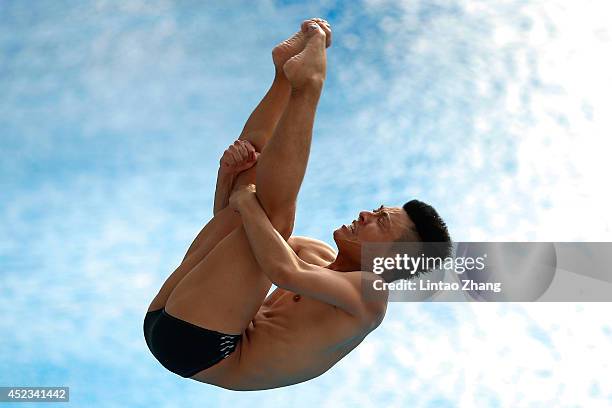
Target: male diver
[211, 320]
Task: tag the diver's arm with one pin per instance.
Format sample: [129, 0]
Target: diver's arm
[286, 270]
[238, 157]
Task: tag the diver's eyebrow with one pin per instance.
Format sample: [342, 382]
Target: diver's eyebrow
[387, 216]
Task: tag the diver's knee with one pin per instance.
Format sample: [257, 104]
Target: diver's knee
[286, 231]
[283, 223]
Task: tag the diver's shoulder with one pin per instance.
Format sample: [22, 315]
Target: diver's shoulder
[314, 247]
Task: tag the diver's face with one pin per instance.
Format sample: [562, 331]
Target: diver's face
[385, 224]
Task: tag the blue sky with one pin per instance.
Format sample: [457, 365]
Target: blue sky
[114, 116]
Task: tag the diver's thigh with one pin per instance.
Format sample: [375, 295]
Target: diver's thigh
[224, 291]
[213, 232]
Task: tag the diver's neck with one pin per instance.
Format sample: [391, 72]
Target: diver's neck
[343, 263]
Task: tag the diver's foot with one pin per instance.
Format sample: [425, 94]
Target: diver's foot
[308, 67]
[296, 43]
[324, 26]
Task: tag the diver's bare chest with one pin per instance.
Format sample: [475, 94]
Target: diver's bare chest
[297, 306]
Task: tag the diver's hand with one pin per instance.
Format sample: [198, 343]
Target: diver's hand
[242, 197]
[238, 157]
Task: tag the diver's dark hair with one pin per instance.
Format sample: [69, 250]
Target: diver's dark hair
[431, 230]
[429, 225]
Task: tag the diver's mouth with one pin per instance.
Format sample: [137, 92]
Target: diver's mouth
[351, 227]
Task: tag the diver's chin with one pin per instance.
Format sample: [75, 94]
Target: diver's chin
[345, 240]
[337, 233]
[341, 232]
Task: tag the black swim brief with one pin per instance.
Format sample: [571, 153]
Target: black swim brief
[184, 348]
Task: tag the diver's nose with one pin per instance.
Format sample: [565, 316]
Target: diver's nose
[364, 216]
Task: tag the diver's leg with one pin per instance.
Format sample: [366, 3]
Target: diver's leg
[281, 166]
[257, 130]
[213, 232]
[263, 120]
[226, 288]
